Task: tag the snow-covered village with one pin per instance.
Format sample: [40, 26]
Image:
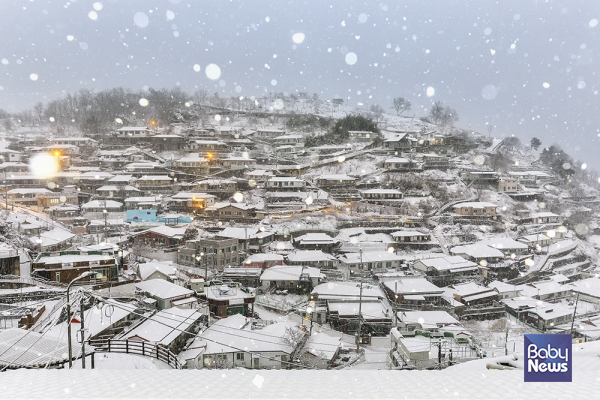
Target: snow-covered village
[356, 233]
[320, 237]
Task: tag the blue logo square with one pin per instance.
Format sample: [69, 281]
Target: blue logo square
[548, 358]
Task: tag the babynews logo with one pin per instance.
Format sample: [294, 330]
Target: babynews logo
[548, 358]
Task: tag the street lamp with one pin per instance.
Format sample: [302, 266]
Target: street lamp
[309, 311]
[83, 275]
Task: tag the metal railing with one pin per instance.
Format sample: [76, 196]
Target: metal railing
[137, 347]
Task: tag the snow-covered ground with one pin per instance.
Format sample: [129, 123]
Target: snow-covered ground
[470, 380]
[116, 361]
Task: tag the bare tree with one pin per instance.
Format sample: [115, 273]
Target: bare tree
[377, 113]
[200, 96]
[510, 144]
[401, 105]
[443, 116]
[293, 336]
[38, 109]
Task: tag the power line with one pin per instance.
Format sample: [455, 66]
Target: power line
[210, 340]
[23, 337]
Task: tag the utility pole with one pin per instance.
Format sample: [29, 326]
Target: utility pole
[396, 304]
[359, 336]
[574, 313]
[506, 342]
[81, 309]
[205, 256]
[440, 354]
[105, 214]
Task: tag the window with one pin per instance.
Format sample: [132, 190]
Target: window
[239, 356]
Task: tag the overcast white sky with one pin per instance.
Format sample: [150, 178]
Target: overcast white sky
[488, 60]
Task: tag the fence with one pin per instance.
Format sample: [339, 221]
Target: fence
[137, 347]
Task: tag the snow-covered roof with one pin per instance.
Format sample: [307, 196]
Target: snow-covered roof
[347, 291]
[225, 339]
[396, 137]
[315, 238]
[165, 326]
[192, 158]
[590, 286]
[148, 268]
[148, 199]
[243, 233]
[115, 188]
[164, 230]
[262, 257]
[370, 310]
[234, 158]
[412, 285]
[107, 204]
[468, 288]
[474, 204]
[241, 206]
[309, 256]
[369, 257]
[408, 234]
[163, 289]
[121, 178]
[447, 263]
[381, 191]
[397, 160]
[132, 128]
[503, 287]
[323, 346]
[501, 243]
[29, 191]
[26, 348]
[95, 175]
[155, 178]
[192, 195]
[289, 273]
[52, 237]
[336, 177]
[434, 317]
[477, 250]
[285, 179]
[101, 222]
[544, 214]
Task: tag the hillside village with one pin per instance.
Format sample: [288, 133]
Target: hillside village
[287, 233]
